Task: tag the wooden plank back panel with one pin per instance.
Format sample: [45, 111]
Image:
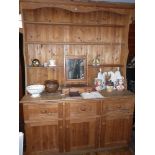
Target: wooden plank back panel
[61, 15]
[46, 52]
[76, 33]
[108, 54]
[38, 75]
[38, 32]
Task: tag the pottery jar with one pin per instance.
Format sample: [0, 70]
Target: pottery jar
[51, 86]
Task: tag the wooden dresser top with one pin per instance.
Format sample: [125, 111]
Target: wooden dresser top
[59, 97]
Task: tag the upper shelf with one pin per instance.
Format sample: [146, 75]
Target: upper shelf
[57, 66]
[72, 43]
[75, 24]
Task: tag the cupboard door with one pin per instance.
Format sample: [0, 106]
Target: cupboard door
[44, 136]
[115, 131]
[81, 134]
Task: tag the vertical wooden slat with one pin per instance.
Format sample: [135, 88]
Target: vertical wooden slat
[67, 136]
[61, 136]
[45, 139]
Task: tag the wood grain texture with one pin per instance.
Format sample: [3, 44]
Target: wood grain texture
[78, 6]
[42, 137]
[113, 152]
[53, 29]
[82, 134]
[55, 32]
[78, 125]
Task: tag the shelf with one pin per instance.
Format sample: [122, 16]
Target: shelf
[107, 65]
[48, 67]
[72, 43]
[74, 24]
[103, 65]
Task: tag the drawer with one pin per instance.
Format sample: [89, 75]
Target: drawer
[122, 105]
[83, 108]
[33, 112]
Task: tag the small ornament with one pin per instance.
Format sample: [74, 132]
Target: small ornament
[117, 75]
[100, 74]
[35, 63]
[98, 84]
[120, 85]
[96, 61]
[100, 81]
[52, 61]
[109, 86]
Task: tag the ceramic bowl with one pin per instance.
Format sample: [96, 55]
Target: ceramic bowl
[35, 90]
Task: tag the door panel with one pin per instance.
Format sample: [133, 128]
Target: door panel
[43, 137]
[82, 134]
[115, 132]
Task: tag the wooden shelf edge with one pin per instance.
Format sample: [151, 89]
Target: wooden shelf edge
[107, 65]
[74, 24]
[48, 67]
[72, 43]
[103, 65]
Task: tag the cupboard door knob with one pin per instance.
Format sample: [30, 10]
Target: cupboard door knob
[50, 113]
[83, 108]
[43, 111]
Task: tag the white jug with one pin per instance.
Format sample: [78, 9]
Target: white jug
[52, 62]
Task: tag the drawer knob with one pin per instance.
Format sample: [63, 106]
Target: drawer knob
[83, 108]
[50, 113]
[43, 111]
